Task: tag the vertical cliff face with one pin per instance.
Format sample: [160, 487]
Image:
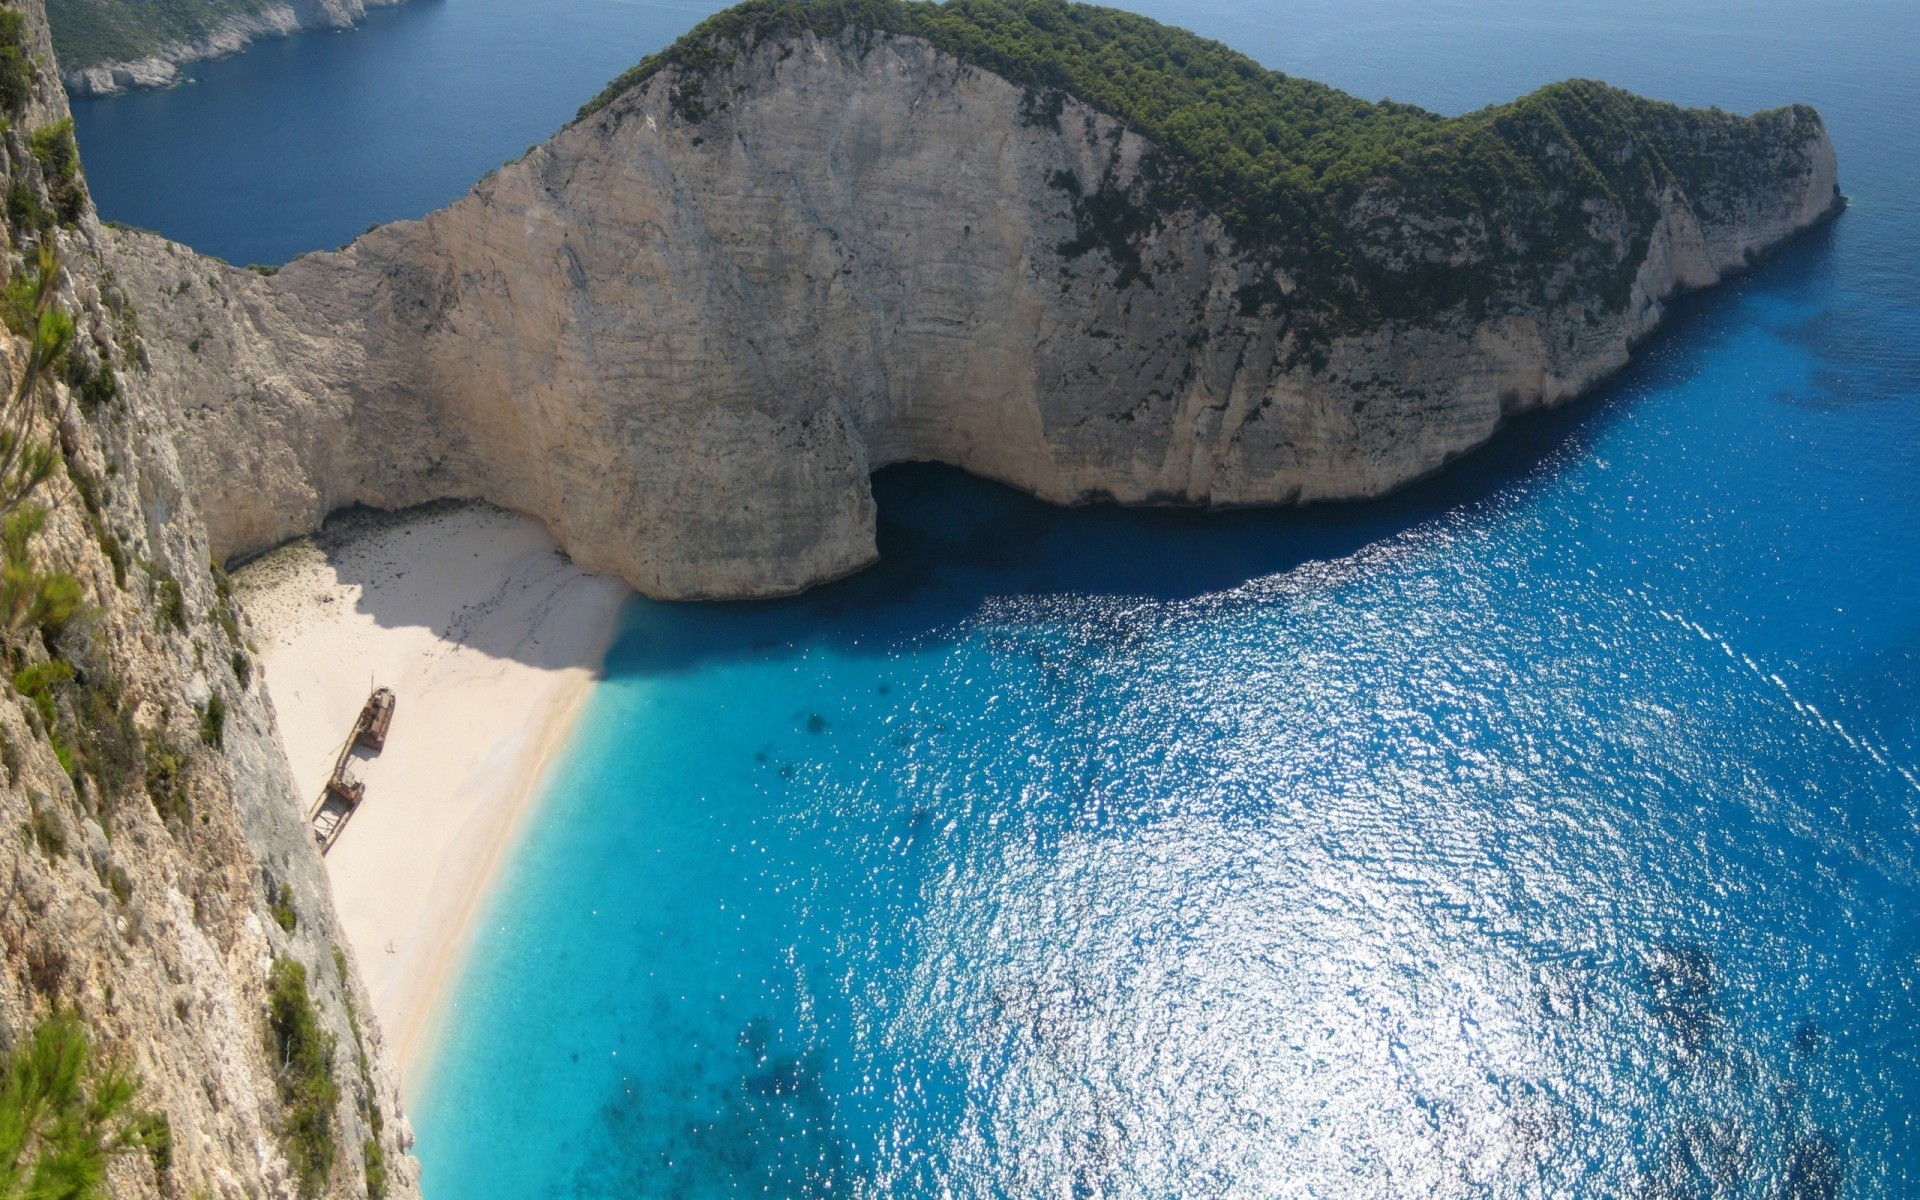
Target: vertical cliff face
[159, 876]
[686, 330]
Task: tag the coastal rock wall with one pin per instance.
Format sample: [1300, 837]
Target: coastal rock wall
[160, 66]
[159, 864]
[685, 344]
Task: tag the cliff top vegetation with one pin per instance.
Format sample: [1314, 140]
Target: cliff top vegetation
[1316, 180]
[89, 32]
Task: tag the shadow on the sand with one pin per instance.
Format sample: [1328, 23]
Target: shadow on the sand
[378, 553]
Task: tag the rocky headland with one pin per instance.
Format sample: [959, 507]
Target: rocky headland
[813, 240]
[112, 46]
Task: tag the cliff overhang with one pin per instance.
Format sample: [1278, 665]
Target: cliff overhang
[815, 239]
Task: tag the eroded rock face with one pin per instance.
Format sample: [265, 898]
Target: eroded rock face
[158, 860]
[686, 346]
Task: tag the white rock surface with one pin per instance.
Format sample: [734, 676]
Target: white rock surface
[685, 347]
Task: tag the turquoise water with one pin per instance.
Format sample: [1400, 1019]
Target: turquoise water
[1550, 829]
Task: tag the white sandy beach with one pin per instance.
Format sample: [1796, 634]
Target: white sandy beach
[490, 639]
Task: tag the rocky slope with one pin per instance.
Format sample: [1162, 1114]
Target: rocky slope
[112, 46]
[686, 330]
[158, 872]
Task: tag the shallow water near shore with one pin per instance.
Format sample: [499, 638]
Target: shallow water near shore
[1550, 829]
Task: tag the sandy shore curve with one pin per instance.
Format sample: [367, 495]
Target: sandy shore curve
[491, 640]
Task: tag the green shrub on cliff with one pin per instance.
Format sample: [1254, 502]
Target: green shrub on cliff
[64, 1116]
[213, 721]
[166, 781]
[38, 682]
[16, 66]
[1381, 210]
[58, 154]
[371, 1156]
[303, 1067]
[31, 596]
[25, 213]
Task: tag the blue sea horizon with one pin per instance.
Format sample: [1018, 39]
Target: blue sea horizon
[1551, 828]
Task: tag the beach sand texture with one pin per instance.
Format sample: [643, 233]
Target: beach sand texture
[490, 639]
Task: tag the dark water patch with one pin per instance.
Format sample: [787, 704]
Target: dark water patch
[1809, 1039]
[1816, 1169]
[769, 1132]
[1864, 353]
[1681, 976]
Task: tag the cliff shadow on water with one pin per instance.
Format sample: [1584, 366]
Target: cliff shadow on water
[950, 542]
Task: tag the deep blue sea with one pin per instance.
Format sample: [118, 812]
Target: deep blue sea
[1549, 829]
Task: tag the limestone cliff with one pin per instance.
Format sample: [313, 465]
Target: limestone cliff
[113, 46]
[685, 331]
[157, 865]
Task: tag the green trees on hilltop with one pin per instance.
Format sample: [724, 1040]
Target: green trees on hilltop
[1285, 162]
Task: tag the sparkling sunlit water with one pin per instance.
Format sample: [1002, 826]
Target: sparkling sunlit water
[1550, 829]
